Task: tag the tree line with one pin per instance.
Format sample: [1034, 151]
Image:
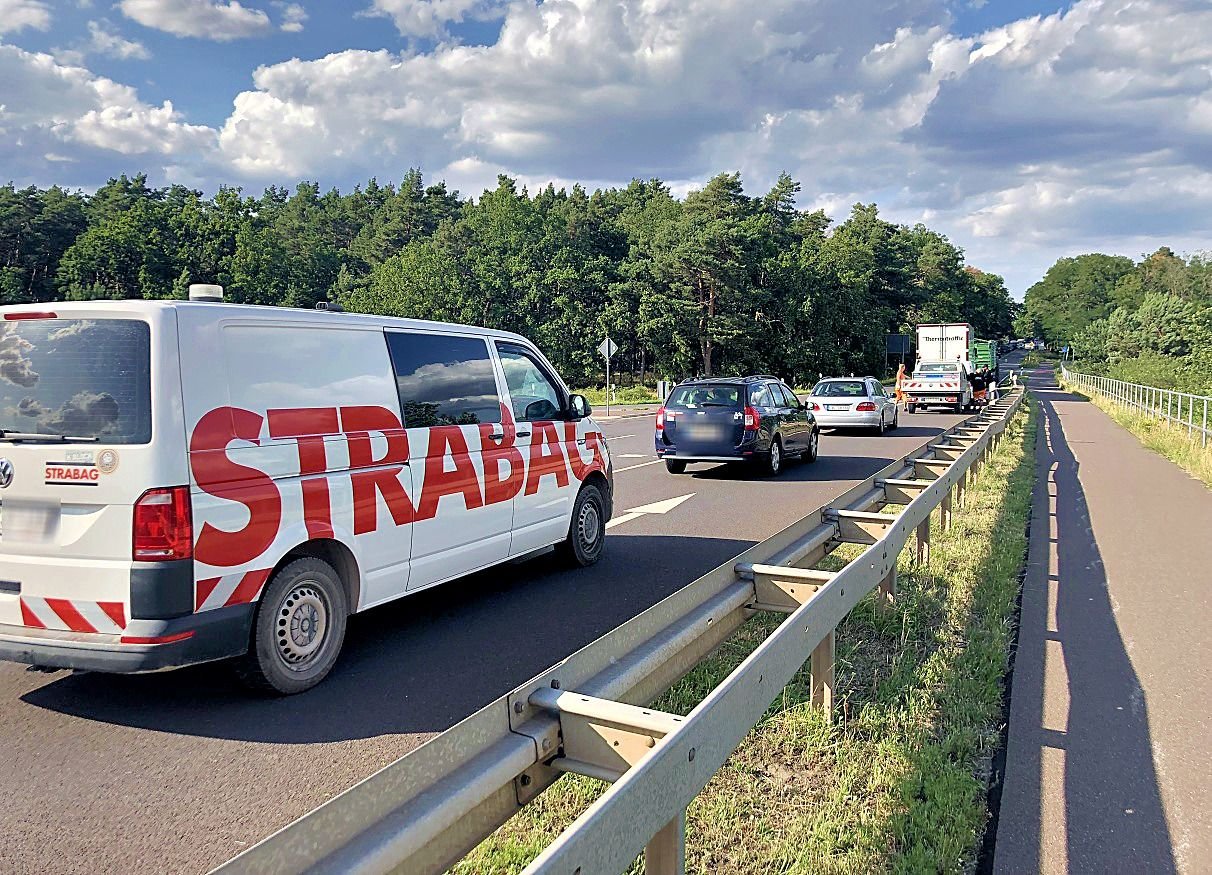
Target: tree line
[1145, 322]
[717, 282]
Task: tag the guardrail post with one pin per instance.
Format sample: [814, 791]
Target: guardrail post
[822, 674]
[945, 511]
[923, 541]
[665, 853]
[961, 490]
[885, 596]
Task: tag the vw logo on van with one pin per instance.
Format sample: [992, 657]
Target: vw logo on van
[6, 472]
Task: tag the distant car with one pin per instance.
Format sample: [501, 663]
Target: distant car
[853, 402]
[756, 420]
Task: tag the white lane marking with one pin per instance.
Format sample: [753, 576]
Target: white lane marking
[625, 518]
[633, 455]
[656, 507]
[618, 437]
[641, 465]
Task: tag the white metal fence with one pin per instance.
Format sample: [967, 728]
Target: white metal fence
[1180, 409]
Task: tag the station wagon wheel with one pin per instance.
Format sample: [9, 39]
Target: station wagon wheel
[814, 445]
[587, 528]
[774, 463]
[298, 629]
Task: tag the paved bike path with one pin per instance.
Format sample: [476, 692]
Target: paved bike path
[1109, 760]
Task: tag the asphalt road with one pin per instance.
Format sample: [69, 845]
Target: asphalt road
[177, 772]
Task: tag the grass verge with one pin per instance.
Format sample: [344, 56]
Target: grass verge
[898, 782]
[1171, 441]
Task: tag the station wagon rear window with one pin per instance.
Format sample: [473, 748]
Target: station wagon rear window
[88, 378]
[705, 395]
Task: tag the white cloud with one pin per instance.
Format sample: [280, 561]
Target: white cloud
[67, 114]
[205, 19]
[429, 18]
[293, 16]
[103, 40]
[19, 14]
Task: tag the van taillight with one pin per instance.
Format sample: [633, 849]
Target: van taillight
[163, 525]
[661, 419]
[866, 406]
[752, 420]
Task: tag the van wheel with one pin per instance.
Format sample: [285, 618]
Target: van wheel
[675, 467]
[298, 629]
[587, 530]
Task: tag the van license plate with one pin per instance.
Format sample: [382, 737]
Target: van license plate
[24, 523]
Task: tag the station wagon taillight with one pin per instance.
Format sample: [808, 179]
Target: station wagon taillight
[661, 419]
[752, 420]
[866, 406]
[163, 525]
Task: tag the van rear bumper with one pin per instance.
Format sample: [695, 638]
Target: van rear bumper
[187, 640]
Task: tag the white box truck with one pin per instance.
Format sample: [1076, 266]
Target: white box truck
[941, 372]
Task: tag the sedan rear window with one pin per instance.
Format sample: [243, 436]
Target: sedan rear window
[88, 378]
[705, 395]
[840, 389]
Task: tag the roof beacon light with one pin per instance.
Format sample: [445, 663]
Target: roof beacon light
[205, 292]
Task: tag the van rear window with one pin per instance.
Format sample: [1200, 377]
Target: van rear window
[86, 378]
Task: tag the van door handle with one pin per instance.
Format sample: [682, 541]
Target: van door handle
[523, 434]
[498, 432]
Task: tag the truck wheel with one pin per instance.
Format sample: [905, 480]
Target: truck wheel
[298, 629]
[911, 408]
[959, 407]
[587, 528]
[675, 467]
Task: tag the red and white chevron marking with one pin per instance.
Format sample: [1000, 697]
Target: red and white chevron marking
[230, 589]
[107, 618]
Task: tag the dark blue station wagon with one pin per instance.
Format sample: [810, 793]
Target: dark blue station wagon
[756, 420]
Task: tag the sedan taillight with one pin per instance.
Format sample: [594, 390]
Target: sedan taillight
[812, 405]
[866, 406]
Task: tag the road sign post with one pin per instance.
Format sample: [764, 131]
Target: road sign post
[607, 349]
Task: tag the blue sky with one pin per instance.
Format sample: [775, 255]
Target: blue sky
[1024, 130]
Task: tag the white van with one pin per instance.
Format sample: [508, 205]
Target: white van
[186, 481]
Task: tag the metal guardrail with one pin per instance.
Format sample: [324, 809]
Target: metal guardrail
[1181, 409]
[424, 812]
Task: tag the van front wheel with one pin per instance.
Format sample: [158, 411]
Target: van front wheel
[298, 629]
[587, 529]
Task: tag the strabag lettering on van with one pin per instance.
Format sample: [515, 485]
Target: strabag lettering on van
[72, 474]
[447, 467]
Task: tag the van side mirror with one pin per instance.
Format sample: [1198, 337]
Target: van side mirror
[578, 405]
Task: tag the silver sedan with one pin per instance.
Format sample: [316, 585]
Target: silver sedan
[853, 402]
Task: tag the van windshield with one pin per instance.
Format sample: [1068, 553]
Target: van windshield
[86, 378]
[706, 395]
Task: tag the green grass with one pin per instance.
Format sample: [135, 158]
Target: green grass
[1171, 441]
[898, 781]
[628, 395]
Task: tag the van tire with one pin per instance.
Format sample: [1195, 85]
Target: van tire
[587, 528]
[302, 594]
